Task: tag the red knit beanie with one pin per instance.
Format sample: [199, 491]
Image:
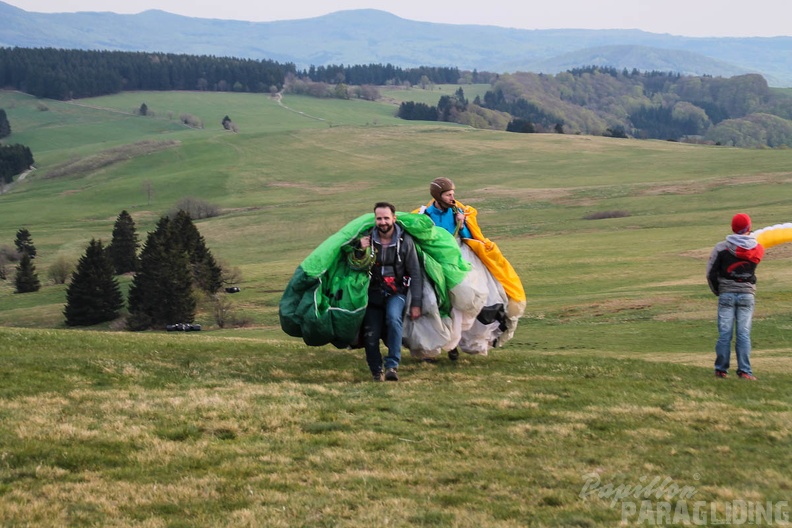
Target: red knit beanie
[741, 223]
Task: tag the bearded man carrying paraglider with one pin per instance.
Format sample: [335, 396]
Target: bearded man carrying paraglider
[335, 294]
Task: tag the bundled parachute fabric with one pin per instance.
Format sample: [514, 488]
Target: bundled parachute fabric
[774, 235]
[496, 320]
[326, 298]
[432, 333]
[490, 254]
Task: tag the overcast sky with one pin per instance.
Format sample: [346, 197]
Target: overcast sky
[695, 18]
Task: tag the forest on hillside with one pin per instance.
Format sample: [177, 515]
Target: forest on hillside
[738, 111]
[74, 74]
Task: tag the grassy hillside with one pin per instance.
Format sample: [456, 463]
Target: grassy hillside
[609, 372]
[310, 166]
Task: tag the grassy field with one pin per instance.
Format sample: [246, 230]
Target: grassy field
[432, 94]
[609, 372]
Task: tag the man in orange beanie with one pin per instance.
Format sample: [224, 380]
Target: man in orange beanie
[731, 276]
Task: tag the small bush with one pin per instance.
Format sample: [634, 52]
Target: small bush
[191, 120]
[231, 274]
[8, 257]
[196, 208]
[60, 270]
[601, 215]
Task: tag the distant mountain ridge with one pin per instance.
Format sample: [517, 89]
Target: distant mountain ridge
[367, 36]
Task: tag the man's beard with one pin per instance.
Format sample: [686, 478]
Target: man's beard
[384, 230]
[446, 206]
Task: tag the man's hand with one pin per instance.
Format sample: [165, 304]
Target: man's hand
[415, 312]
[365, 242]
[459, 217]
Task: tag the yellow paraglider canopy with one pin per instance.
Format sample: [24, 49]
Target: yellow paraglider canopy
[774, 235]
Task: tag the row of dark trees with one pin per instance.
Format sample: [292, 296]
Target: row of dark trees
[414, 111]
[172, 265]
[380, 74]
[70, 74]
[73, 74]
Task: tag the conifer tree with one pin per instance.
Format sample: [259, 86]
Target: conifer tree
[5, 126]
[207, 274]
[93, 296]
[124, 245]
[24, 243]
[26, 279]
[161, 291]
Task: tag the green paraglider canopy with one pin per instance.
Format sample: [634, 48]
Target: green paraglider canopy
[326, 298]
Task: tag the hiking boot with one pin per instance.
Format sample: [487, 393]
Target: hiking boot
[391, 375]
[721, 374]
[453, 355]
[376, 376]
[746, 376]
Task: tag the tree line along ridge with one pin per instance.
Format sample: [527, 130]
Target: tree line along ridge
[739, 111]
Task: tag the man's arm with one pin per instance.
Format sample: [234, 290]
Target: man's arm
[413, 268]
[712, 270]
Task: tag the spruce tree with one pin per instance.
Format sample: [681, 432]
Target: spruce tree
[161, 291]
[26, 279]
[24, 243]
[123, 248]
[5, 126]
[93, 296]
[207, 274]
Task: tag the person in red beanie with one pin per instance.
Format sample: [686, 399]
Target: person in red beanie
[731, 275]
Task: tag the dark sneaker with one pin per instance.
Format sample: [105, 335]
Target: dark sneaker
[391, 375]
[376, 376]
[453, 355]
[721, 374]
[746, 376]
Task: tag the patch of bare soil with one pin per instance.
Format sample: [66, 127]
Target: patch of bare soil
[337, 188]
[615, 306]
[108, 157]
[576, 195]
[698, 254]
[524, 195]
[780, 251]
[698, 187]
[606, 308]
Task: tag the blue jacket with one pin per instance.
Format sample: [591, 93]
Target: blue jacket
[446, 220]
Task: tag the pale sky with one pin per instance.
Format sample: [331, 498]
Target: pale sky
[693, 18]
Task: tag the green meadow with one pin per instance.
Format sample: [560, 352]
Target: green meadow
[606, 387]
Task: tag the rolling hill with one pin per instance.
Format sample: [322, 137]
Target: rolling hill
[371, 36]
[607, 384]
